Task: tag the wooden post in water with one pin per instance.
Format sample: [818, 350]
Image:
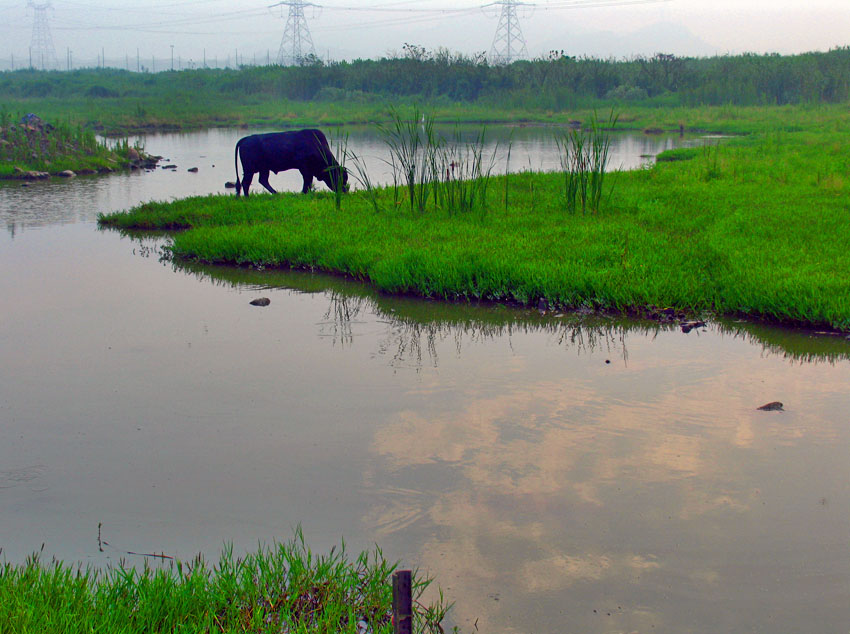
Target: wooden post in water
[402, 602]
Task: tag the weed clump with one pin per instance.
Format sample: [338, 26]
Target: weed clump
[282, 588]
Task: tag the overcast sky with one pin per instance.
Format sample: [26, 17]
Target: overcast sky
[345, 29]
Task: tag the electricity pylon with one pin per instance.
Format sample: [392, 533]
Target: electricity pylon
[42, 52]
[509, 44]
[296, 45]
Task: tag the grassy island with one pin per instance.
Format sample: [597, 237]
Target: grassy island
[756, 226]
[31, 148]
[284, 588]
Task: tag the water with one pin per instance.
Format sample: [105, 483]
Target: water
[553, 474]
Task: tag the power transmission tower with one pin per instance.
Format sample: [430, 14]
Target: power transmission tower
[297, 45]
[509, 44]
[42, 52]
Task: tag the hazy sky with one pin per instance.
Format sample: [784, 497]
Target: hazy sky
[371, 28]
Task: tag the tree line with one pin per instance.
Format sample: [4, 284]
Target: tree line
[555, 81]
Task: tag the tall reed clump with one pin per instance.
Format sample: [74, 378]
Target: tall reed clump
[462, 173]
[710, 161]
[584, 156]
[452, 172]
[413, 148]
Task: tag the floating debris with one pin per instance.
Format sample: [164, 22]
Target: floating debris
[774, 406]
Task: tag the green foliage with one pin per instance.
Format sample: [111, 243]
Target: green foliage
[285, 587]
[345, 92]
[757, 226]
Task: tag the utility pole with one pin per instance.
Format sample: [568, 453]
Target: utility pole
[297, 44]
[508, 44]
[42, 42]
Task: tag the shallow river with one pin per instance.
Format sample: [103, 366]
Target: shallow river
[553, 475]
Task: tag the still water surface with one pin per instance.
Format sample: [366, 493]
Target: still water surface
[554, 475]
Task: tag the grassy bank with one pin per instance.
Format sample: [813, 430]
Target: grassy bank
[756, 227]
[732, 94]
[285, 588]
[31, 147]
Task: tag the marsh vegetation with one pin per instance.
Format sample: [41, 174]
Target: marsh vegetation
[727, 232]
[281, 588]
[30, 144]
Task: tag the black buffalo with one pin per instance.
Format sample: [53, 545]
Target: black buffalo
[304, 150]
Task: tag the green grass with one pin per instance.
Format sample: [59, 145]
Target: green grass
[55, 148]
[283, 588]
[757, 226]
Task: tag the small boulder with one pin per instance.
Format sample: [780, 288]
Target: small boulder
[34, 176]
[66, 174]
[687, 326]
[262, 301]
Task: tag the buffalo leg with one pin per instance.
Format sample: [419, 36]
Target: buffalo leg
[264, 181]
[308, 181]
[247, 177]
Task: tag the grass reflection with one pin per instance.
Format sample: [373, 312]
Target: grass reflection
[416, 325]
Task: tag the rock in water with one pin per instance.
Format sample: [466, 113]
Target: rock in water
[262, 301]
[687, 326]
[775, 406]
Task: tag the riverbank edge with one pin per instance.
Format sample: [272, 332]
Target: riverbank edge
[684, 318]
[30, 172]
[119, 117]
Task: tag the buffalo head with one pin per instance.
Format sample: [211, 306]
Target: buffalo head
[336, 177]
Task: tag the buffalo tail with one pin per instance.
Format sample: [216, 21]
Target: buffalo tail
[236, 165]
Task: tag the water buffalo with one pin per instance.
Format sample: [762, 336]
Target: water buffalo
[304, 150]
